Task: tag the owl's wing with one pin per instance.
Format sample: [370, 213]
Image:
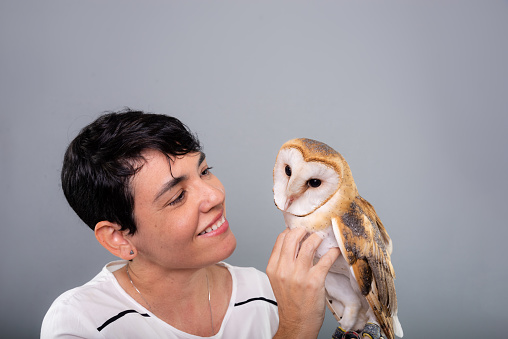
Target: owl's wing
[367, 247]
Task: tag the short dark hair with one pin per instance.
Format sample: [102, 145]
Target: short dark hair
[101, 160]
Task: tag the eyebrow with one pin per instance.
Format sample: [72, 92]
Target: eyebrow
[176, 180]
[202, 157]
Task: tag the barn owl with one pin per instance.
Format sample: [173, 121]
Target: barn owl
[314, 188]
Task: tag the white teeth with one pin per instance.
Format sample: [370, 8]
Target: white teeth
[214, 226]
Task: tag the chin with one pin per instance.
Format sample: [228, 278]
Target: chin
[221, 249]
[229, 247]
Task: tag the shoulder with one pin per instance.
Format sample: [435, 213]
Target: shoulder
[76, 311]
[244, 271]
[102, 284]
[253, 309]
[250, 284]
[248, 276]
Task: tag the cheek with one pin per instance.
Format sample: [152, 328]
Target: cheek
[173, 228]
[182, 224]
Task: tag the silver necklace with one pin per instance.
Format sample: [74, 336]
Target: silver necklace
[150, 308]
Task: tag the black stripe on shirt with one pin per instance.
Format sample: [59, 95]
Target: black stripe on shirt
[255, 299]
[118, 316]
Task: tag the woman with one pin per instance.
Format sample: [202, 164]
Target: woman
[141, 182]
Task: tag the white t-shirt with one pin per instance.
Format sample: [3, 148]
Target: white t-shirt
[102, 309]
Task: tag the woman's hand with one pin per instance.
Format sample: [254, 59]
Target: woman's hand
[298, 284]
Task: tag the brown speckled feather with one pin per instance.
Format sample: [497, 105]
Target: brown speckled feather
[368, 248]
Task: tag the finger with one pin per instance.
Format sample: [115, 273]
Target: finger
[291, 243]
[327, 260]
[277, 247]
[279, 241]
[308, 248]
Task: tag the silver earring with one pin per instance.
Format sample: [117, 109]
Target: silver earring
[132, 252]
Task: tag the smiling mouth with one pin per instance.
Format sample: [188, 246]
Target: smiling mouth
[215, 226]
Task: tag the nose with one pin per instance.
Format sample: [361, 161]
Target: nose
[212, 194]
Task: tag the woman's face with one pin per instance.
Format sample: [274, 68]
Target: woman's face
[174, 207]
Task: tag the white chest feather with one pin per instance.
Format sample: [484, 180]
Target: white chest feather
[326, 233]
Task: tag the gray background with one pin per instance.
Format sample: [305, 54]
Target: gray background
[413, 94]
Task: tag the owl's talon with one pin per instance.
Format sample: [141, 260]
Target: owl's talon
[371, 331]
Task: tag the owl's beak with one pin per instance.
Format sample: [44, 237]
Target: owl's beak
[289, 201]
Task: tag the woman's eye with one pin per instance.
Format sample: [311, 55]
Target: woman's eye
[178, 199]
[314, 183]
[206, 171]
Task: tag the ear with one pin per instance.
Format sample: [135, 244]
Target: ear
[117, 242]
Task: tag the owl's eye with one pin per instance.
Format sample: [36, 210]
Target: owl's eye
[288, 170]
[314, 183]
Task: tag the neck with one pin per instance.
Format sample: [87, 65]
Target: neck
[175, 296]
[173, 286]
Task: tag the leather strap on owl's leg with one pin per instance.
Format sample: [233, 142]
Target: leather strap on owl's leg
[341, 334]
[351, 335]
[371, 331]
